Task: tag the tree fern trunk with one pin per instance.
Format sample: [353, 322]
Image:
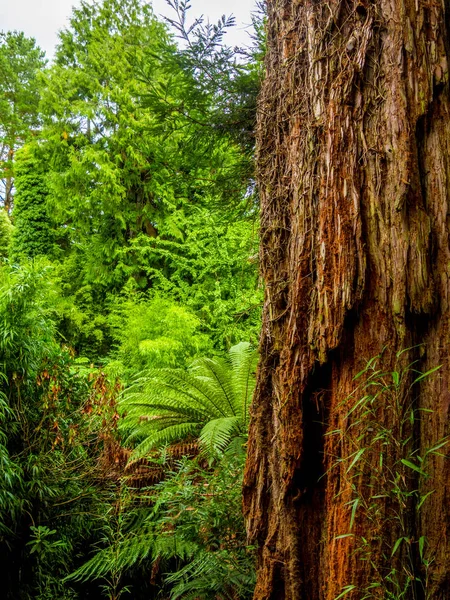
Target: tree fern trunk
[354, 176]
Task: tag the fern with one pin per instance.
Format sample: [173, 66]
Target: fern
[213, 575]
[194, 516]
[210, 401]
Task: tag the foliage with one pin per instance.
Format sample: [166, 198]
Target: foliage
[53, 441]
[133, 248]
[25, 319]
[211, 401]
[6, 230]
[194, 527]
[132, 148]
[148, 189]
[11, 477]
[153, 332]
[102, 177]
[209, 266]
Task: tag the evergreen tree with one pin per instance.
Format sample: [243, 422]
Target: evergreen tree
[33, 234]
[147, 182]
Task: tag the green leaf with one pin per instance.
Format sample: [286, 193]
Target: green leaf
[355, 504]
[426, 374]
[396, 378]
[356, 458]
[423, 498]
[413, 466]
[346, 590]
[397, 545]
[422, 542]
[438, 446]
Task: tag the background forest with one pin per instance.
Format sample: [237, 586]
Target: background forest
[129, 306]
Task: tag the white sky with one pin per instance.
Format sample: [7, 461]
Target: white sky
[42, 19]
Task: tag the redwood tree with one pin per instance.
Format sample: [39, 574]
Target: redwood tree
[347, 488]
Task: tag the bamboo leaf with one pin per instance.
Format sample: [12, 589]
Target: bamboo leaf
[353, 513]
[422, 541]
[426, 374]
[423, 498]
[397, 545]
[356, 459]
[414, 467]
[346, 590]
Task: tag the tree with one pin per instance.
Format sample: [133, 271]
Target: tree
[102, 182]
[20, 62]
[33, 235]
[125, 129]
[353, 147]
[150, 172]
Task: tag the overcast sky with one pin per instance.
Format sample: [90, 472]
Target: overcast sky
[42, 19]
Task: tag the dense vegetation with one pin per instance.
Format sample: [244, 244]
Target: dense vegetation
[129, 307]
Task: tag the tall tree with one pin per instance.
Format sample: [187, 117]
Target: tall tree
[346, 489]
[33, 235]
[150, 167]
[125, 124]
[20, 62]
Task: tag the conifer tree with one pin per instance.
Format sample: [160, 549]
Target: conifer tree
[33, 231]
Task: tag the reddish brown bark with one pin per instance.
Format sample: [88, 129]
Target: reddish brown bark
[354, 176]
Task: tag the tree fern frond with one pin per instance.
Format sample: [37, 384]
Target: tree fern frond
[217, 372]
[184, 386]
[244, 360]
[148, 410]
[164, 437]
[217, 434]
[149, 428]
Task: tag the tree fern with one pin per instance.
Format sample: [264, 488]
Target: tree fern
[210, 401]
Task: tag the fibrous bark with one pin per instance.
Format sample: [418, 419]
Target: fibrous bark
[354, 178]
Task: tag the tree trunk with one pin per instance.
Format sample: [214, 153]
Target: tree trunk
[354, 177]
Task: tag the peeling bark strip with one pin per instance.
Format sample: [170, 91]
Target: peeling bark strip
[354, 175]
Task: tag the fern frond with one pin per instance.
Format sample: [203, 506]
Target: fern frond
[164, 437]
[136, 547]
[213, 575]
[173, 386]
[217, 434]
[217, 373]
[244, 360]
